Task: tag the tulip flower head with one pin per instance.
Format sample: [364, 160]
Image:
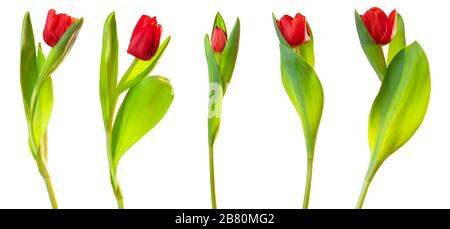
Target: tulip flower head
[145, 39]
[294, 30]
[380, 27]
[55, 26]
[219, 40]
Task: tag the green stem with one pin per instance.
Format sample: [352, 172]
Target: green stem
[114, 182]
[363, 193]
[120, 203]
[112, 167]
[40, 155]
[367, 180]
[119, 197]
[48, 182]
[51, 193]
[211, 177]
[308, 183]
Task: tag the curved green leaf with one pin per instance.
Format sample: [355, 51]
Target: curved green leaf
[215, 93]
[307, 50]
[40, 60]
[305, 91]
[44, 103]
[399, 41]
[28, 66]
[229, 56]
[279, 35]
[109, 66]
[401, 104]
[373, 51]
[140, 69]
[61, 50]
[143, 107]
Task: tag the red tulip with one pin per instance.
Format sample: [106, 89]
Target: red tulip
[55, 26]
[381, 28]
[294, 30]
[218, 40]
[145, 39]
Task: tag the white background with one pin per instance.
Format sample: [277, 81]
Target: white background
[260, 152]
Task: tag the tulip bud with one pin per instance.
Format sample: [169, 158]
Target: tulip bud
[145, 39]
[294, 30]
[55, 26]
[218, 40]
[380, 27]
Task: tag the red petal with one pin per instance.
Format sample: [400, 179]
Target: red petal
[299, 34]
[391, 27]
[279, 26]
[377, 24]
[218, 40]
[48, 35]
[286, 24]
[145, 39]
[55, 27]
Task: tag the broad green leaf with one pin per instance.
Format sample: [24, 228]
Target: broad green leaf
[399, 41]
[305, 91]
[401, 104]
[277, 30]
[109, 67]
[373, 51]
[28, 66]
[60, 50]
[143, 107]
[307, 50]
[43, 112]
[215, 93]
[229, 56]
[44, 104]
[219, 22]
[140, 69]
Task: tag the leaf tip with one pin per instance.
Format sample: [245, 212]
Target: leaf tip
[80, 21]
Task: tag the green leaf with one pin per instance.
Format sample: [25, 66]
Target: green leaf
[307, 50]
[229, 56]
[277, 30]
[305, 91]
[60, 50]
[43, 110]
[215, 93]
[109, 67]
[399, 41]
[40, 60]
[143, 107]
[44, 104]
[28, 65]
[401, 104]
[373, 51]
[219, 22]
[140, 69]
